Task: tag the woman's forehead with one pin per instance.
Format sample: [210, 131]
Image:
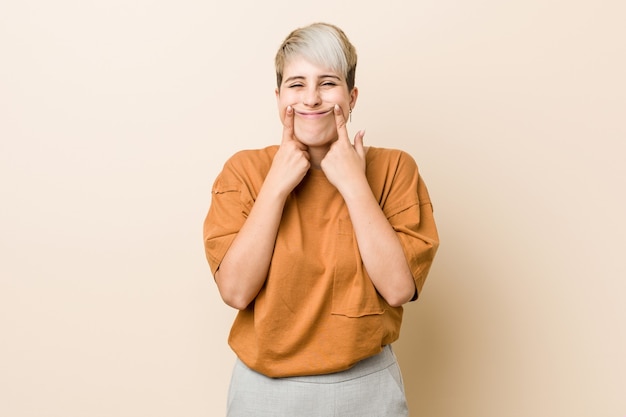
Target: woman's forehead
[301, 66]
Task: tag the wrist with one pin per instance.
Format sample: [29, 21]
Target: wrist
[357, 192]
[273, 191]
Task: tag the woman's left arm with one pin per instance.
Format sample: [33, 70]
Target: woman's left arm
[380, 248]
[379, 245]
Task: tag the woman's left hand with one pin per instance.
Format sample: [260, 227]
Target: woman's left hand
[344, 163]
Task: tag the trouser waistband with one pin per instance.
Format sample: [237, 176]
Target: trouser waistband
[364, 367]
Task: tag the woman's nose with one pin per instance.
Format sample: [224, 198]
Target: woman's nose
[311, 97]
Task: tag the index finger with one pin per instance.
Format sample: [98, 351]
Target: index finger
[288, 125]
[340, 121]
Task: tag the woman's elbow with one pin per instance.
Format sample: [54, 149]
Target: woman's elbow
[235, 302]
[401, 296]
[231, 294]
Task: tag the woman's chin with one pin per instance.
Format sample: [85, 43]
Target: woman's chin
[316, 138]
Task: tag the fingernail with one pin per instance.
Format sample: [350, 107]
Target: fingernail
[336, 107]
[289, 109]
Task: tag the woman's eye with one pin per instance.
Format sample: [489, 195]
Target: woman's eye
[295, 85]
[329, 84]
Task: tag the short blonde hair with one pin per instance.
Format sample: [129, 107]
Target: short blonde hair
[322, 44]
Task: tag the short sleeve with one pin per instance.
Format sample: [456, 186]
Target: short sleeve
[413, 220]
[230, 205]
[418, 235]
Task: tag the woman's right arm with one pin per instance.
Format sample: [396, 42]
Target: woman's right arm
[244, 268]
[242, 272]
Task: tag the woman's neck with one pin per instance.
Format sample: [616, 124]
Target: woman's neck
[317, 153]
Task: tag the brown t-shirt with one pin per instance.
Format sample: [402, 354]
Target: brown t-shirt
[318, 311]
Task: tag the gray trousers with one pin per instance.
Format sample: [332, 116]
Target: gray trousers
[372, 388]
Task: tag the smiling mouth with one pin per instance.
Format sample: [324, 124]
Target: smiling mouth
[314, 114]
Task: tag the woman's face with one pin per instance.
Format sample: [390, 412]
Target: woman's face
[312, 91]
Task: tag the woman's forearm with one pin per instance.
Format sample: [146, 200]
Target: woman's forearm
[244, 268]
[380, 248]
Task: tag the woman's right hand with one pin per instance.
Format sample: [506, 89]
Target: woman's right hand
[291, 162]
[245, 265]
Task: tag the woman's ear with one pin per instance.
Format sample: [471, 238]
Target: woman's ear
[354, 94]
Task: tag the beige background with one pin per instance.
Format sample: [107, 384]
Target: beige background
[115, 117]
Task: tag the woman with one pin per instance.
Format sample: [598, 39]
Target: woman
[318, 242]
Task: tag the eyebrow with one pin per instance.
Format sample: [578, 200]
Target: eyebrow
[301, 77]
